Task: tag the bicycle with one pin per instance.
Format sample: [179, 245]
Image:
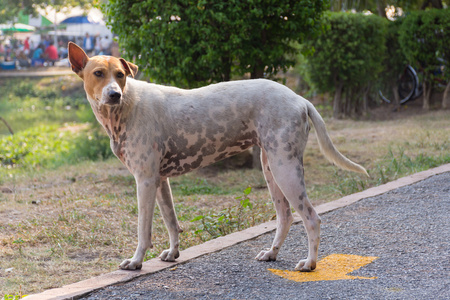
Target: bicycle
[408, 88]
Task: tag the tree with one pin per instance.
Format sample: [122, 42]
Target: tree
[10, 8]
[192, 43]
[425, 40]
[347, 59]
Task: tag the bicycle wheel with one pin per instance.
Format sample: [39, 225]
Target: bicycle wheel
[407, 84]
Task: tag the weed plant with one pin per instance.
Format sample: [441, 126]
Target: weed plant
[229, 220]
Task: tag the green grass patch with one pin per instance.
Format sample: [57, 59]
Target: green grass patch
[49, 147]
[186, 186]
[394, 165]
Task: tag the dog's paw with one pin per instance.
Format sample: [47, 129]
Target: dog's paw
[305, 265]
[169, 255]
[130, 264]
[267, 255]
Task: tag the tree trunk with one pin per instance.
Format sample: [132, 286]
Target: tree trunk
[381, 8]
[426, 95]
[337, 101]
[365, 106]
[226, 62]
[258, 72]
[446, 97]
[396, 96]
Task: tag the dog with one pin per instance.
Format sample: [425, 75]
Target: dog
[161, 131]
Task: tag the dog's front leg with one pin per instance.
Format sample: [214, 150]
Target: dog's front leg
[146, 194]
[165, 203]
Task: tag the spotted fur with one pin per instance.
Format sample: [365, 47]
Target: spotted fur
[160, 131]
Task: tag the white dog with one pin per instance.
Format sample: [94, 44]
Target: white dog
[160, 131]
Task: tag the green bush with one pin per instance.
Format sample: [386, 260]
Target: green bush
[48, 146]
[91, 145]
[425, 40]
[33, 147]
[24, 89]
[394, 63]
[346, 59]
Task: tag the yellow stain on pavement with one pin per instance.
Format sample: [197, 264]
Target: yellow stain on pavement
[332, 267]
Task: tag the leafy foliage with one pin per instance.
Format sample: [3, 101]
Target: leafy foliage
[11, 8]
[425, 40]
[394, 60]
[191, 43]
[347, 58]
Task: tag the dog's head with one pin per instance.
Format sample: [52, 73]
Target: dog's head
[104, 77]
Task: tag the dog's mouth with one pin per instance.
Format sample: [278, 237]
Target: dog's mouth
[111, 99]
[111, 102]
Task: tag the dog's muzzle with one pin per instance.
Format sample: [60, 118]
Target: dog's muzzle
[113, 98]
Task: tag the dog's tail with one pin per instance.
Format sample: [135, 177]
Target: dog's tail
[326, 145]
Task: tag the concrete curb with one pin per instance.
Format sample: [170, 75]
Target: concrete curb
[79, 289]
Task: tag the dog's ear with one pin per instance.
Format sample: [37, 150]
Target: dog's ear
[129, 67]
[77, 58]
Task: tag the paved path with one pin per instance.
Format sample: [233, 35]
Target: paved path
[404, 235]
[36, 72]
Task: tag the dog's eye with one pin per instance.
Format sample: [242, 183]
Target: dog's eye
[120, 75]
[98, 73]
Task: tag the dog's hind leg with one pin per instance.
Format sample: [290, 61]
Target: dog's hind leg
[288, 174]
[165, 203]
[284, 215]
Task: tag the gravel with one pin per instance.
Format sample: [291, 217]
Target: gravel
[407, 229]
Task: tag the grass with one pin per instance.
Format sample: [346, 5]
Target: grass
[70, 220]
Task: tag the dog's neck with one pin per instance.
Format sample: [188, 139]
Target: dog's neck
[114, 120]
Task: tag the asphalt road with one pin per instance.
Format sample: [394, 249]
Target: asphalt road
[407, 229]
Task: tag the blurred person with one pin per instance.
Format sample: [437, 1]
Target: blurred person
[26, 46]
[88, 44]
[22, 58]
[115, 49]
[38, 56]
[8, 49]
[62, 49]
[46, 41]
[51, 53]
[98, 44]
[106, 46]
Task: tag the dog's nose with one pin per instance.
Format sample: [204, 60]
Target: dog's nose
[114, 96]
